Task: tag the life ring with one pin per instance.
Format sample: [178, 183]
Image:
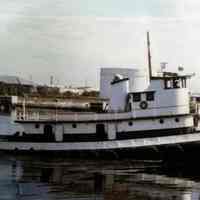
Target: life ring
[143, 105]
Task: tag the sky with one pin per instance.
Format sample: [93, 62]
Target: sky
[72, 39]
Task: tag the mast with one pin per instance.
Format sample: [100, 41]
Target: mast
[149, 56]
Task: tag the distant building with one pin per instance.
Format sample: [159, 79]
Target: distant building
[195, 98]
[45, 91]
[77, 90]
[13, 85]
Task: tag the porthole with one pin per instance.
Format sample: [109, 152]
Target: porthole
[177, 120]
[130, 123]
[37, 126]
[161, 121]
[143, 105]
[17, 133]
[74, 125]
[31, 149]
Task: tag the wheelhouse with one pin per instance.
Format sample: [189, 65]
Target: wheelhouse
[174, 81]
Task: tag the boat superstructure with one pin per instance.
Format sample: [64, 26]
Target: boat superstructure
[160, 110]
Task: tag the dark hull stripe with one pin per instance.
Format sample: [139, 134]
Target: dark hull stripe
[153, 133]
[186, 152]
[97, 137]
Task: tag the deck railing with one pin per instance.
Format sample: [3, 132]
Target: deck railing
[20, 116]
[56, 115]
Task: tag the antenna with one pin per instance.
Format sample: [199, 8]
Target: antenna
[51, 80]
[149, 56]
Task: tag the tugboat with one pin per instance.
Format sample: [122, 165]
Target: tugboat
[143, 111]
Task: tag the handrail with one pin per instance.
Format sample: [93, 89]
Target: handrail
[37, 116]
[20, 116]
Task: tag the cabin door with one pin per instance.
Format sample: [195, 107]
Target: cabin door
[100, 131]
[48, 133]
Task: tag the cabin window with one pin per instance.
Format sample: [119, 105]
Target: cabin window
[130, 123]
[136, 97]
[150, 96]
[177, 120]
[74, 125]
[161, 121]
[37, 126]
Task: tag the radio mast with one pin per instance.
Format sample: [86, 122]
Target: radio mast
[149, 56]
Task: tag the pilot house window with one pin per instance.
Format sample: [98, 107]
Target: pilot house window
[183, 80]
[74, 125]
[174, 83]
[168, 84]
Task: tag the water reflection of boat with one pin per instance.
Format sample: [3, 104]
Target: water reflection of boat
[68, 181]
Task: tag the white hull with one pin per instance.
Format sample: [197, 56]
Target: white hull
[104, 145]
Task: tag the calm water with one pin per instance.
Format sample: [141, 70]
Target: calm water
[30, 177]
[35, 177]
